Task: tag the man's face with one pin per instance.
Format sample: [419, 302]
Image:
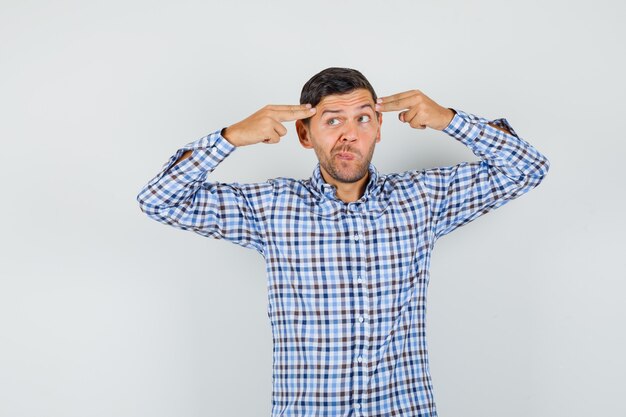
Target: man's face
[343, 133]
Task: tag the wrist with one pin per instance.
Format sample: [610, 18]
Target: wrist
[447, 116]
[226, 134]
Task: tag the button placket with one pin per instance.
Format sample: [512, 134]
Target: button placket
[358, 300]
[362, 330]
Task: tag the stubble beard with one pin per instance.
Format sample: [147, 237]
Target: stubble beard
[345, 171]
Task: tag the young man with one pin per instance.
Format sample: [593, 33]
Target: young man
[347, 251]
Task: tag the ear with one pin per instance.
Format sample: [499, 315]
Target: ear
[380, 122]
[303, 134]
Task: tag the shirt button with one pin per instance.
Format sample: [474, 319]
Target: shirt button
[361, 319]
[356, 237]
[360, 359]
[357, 406]
[359, 280]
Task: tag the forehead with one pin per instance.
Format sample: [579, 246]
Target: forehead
[346, 101]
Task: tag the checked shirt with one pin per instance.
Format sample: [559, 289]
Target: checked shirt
[347, 282]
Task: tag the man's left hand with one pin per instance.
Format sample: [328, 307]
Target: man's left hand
[417, 109]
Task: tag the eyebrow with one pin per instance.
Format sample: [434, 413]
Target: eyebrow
[341, 111]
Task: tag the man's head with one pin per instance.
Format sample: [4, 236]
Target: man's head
[345, 128]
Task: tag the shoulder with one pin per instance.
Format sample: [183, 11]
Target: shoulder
[417, 183]
[399, 187]
[403, 180]
[428, 175]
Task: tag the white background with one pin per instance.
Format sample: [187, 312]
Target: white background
[104, 312]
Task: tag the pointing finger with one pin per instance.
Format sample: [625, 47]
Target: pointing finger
[398, 96]
[398, 101]
[401, 104]
[287, 115]
[287, 106]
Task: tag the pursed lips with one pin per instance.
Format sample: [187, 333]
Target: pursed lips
[345, 156]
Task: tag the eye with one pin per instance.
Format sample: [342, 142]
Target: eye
[332, 122]
[365, 118]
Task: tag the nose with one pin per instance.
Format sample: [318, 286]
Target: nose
[349, 133]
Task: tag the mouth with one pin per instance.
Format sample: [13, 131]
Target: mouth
[346, 156]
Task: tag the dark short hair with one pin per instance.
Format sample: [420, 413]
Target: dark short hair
[333, 81]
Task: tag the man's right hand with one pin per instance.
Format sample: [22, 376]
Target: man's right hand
[266, 125]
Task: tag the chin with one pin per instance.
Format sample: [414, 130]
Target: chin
[349, 177]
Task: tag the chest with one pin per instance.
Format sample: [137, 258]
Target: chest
[334, 244]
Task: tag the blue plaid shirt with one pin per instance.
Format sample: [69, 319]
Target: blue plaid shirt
[347, 282]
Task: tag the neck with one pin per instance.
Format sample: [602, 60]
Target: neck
[347, 192]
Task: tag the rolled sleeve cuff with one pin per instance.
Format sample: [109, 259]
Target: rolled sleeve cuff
[207, 153]
[467, 127]
[464, 126]
[214, 139]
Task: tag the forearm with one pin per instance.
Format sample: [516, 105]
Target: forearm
[187, 153]
[496, 143]
[508, 167]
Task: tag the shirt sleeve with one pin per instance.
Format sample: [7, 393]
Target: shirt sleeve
[508, 167]
[180, 196]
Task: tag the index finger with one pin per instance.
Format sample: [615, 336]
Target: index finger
[282, 107]
[400, 101]
[288, 113]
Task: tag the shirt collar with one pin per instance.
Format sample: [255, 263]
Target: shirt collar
[319, 184]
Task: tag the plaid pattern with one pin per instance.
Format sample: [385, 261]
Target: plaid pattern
[347, 283]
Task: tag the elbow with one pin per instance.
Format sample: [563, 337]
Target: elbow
[541, 169]
[535, 173]
[146, 207]
[160, 211]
